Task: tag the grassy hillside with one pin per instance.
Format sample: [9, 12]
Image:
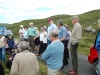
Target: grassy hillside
[86, 19]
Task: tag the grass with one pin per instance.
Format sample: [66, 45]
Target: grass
[42, 68]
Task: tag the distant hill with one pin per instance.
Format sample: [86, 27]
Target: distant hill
[4, 24]
[86, 19]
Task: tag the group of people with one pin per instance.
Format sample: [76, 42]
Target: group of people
[54, 44]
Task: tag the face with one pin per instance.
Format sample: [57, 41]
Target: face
[30, 25]
[58, 24]
[25, 28]
[99, 24]
[51, 38]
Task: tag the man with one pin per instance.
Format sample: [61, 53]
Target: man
[51, 27]
[74, 40]
[24, 63]
[21, 32]
[2, 47]
[97, 45]
[53, 55]
[32, 33]
[62, 33]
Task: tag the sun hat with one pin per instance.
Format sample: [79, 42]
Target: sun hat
[21, 26]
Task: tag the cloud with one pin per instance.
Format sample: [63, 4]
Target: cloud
[17, 10]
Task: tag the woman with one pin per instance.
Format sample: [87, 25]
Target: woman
[25, 33]
[43, 41]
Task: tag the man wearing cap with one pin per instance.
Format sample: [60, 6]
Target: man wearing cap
[62, 33]
[74, 40]
[51, 27]
[2, 47]
[21, 31]
[32, 33]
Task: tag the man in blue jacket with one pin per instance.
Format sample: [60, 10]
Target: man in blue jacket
[53, 55]
[97, 45]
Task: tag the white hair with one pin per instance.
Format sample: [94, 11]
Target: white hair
[98, 21]
[23, 45]
[31, 23]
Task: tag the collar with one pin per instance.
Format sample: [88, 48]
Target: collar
[55, 41]
[25, 51]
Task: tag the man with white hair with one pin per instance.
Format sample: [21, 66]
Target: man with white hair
[24, 63]
[21, 32]
[74, 40]
[32, 33]
[53, 55]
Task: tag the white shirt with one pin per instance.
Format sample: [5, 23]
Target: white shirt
[41, 36]
[45, 37]
[22, 30]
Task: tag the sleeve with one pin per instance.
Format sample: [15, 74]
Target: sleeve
[64, 33]
[98, 44]
[79, 33]
[35, 32]
[36, 65]
[54, 27]
[14, 67]
[46, 53]
[19, 30]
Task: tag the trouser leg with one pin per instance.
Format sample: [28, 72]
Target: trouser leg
[73, 50]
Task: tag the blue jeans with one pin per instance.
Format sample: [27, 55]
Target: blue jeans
[2, 54]
[48, 41]
[99, 62]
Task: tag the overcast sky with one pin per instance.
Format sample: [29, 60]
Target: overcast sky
[12, 11]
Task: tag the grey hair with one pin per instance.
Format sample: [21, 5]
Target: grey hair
[60, 22]
[54, 34]
[98, 21]
[23, 45]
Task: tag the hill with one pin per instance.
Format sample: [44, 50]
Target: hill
[4, 24]
[86, 19]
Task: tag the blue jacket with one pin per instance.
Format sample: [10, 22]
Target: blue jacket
[97, 41]
[10, 43]
[53, 55]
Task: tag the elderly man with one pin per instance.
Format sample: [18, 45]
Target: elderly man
[97, 45]
[21, 32]
[74, 40]
[32, 33]
[53, 55]
[62, 33]
[2, 47]
[51, 27]
[24, 63]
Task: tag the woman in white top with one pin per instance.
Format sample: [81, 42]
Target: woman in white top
[43, 41]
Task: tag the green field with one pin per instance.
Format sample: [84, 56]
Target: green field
[86, 19]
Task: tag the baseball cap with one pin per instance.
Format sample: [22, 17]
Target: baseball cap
[74, 17]
[50, 19]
